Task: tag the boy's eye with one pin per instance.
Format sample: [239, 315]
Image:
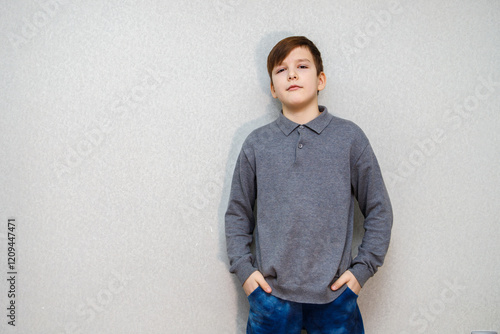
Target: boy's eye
[303, 66]
[280, 70]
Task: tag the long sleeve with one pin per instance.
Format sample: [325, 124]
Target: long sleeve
[239, 218]
[371, 193]
[293, 192]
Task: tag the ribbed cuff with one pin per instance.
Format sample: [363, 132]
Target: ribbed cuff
[361, 272]
[244, 270]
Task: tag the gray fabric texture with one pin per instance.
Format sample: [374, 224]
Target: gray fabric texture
[293, 193]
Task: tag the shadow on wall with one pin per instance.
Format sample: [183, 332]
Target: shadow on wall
[272, 110]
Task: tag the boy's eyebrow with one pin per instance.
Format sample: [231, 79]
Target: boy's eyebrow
[298, 61]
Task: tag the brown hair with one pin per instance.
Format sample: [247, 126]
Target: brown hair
[285, 46]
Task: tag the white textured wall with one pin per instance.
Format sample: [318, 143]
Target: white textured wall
[121, 121]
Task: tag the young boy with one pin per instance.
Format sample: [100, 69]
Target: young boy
[293, 195]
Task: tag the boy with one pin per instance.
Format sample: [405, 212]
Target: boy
[293, 194]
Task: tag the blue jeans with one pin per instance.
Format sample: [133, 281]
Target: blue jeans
[272, 315]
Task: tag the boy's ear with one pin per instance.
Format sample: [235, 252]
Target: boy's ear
[273, 91]
[321, 81]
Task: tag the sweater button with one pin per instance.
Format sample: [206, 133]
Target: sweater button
[300, 145]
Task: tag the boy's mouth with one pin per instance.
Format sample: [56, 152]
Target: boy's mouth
[293, 87]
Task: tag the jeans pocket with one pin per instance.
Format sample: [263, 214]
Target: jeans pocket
[254, 293]
[348, 289]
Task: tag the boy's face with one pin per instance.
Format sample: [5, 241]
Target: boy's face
[295, 82]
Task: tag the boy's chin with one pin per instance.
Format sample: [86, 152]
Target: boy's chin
[298, 105]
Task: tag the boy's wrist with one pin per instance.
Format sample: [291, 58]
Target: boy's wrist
[361, 273]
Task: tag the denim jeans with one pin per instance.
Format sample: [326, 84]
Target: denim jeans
[272, 315]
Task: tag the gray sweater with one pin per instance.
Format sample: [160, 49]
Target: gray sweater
[293, 193]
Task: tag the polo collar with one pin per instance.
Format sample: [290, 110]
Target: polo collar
[317, 125]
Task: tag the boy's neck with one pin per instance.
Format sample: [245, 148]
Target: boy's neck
[302, 115]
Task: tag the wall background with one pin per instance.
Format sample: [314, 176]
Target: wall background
[121, 122]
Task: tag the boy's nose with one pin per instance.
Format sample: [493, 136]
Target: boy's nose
[292, 75]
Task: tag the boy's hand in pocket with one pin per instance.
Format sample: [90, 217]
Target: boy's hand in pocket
[347, 278]
[254, 281]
